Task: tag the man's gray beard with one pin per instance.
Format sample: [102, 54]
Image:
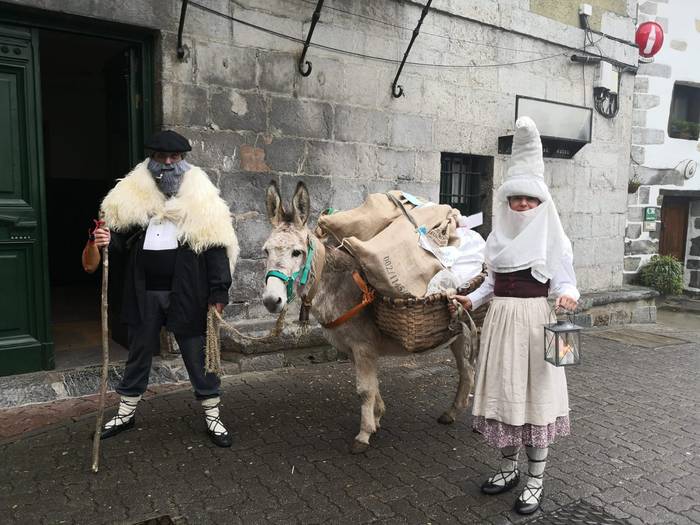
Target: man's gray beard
[168, 177]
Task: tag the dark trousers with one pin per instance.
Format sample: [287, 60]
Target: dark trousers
[144, 341]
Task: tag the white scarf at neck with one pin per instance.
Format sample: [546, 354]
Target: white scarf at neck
[530, 239]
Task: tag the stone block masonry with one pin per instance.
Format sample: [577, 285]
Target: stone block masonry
[252, 118]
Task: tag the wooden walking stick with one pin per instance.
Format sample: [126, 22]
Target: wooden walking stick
[105, 362]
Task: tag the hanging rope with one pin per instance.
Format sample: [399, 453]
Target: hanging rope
[212, 349]
[470, 332]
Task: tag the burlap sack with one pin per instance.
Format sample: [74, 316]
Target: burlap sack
[394, 262]
[363, 222]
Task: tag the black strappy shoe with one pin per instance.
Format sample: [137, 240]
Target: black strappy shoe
[220, 439]
[528, 508]
[520, 506]
[491, 488]
[120, 425]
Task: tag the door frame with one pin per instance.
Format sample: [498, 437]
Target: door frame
[144, 38]
[684, 201]
[32, 20]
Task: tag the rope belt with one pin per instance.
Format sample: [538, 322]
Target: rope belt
[367, 299]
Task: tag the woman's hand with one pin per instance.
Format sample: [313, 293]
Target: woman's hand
[461, 299]
[102, 237]
[567, 303]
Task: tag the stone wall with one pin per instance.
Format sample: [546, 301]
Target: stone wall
[605, 12]
[252, 118]
[640, 245]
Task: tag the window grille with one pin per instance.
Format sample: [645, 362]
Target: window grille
[461, 178]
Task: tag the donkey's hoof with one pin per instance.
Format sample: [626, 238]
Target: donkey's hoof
[446, 419]
[358, 447]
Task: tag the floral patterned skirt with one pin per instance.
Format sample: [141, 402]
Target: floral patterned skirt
[501, 435]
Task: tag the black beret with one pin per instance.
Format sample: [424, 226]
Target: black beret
[168, 142]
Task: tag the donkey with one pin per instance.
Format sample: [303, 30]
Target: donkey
[298, 263]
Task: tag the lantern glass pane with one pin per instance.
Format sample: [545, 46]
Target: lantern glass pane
[550, 346]
[567, 349]
[562, 347]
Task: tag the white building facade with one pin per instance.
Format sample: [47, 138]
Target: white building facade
[665, 148]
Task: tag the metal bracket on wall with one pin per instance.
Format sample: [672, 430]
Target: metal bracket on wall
[181, 49]
[304, 66]
[396, 90]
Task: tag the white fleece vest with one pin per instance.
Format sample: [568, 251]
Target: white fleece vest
[202, 217]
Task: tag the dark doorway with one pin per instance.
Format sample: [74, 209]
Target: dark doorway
[674, 227]
[85, 87]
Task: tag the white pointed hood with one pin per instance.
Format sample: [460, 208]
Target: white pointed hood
[531, 239]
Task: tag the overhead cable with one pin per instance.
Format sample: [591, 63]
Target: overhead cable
[365, 56]
[436, 35]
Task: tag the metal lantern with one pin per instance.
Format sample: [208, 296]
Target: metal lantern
[562, 343]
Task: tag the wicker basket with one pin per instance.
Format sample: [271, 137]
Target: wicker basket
[422, 323]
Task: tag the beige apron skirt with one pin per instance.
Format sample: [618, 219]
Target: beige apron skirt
[515, 386]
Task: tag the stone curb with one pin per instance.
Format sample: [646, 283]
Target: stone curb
[43, 387]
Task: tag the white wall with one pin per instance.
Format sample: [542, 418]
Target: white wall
[683, 27]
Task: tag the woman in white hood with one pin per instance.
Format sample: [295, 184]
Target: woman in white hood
[520, 400]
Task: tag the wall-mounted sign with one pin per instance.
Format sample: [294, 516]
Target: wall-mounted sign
[564, 128]
[649, 38]
[649, 214]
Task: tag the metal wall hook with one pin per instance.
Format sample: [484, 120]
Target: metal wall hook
[181, 49]
[397, 91]
[304, 66]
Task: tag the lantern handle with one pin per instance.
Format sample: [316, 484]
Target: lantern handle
[556, 307]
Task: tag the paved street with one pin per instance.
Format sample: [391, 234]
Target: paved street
[633, 452]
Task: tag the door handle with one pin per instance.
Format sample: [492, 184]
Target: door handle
[9, 219]
[18, 222]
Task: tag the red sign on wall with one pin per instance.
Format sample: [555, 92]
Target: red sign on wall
[649, 38]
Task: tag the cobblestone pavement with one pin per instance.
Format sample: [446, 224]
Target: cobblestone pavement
[633, 452]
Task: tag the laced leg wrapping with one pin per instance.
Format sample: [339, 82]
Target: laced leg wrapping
[127, 409]
[211, 415]
[536, 462]
[509, 466]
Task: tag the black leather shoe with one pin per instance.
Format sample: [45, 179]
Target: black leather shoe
[492, 488]
[116, 429]
[528, 508]
[220, 440]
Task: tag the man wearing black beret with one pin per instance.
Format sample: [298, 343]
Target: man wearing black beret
[177, 234]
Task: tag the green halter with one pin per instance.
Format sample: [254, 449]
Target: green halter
[302, 274]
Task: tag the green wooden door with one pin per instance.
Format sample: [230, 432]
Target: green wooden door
[25, 341]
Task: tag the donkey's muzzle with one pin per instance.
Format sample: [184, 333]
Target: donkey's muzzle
[273, 303]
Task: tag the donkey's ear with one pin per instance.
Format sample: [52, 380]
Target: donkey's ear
[301, 204]
[274, 204]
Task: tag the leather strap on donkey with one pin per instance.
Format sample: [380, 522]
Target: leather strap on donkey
[367, 299]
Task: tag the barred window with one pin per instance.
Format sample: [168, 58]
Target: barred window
[465, 181]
